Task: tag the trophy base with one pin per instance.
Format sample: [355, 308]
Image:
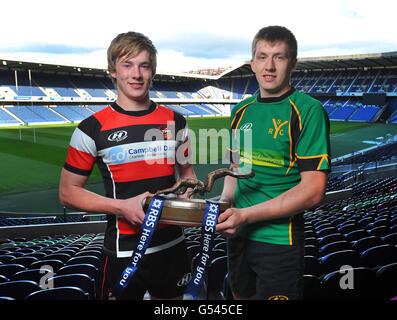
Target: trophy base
[183, 212]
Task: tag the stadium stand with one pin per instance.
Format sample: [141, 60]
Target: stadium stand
[341, 84]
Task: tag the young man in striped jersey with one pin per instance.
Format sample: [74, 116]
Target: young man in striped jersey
[134, 142]
[290, 157]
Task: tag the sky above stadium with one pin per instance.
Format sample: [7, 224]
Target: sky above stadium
[190, 35]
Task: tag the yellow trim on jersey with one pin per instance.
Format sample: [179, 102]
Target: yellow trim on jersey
[322, 156]
[241, 116]
[299, 115]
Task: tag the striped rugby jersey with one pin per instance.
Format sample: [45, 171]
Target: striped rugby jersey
[135, 152]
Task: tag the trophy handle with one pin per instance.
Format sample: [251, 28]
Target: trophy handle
[182, 184]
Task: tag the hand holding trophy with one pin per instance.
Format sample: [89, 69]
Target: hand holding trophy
[190, 211]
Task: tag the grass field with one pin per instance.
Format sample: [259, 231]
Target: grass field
[32, 156]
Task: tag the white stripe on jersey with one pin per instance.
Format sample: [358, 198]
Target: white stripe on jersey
[139, 151]
[83, 142]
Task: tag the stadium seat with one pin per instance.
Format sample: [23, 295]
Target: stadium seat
[363, 244]
[350, 284]
[81, 281]
[356, 234]
[345, 229]
[8, 270]
[334, 246]
[311, 250]
[312, 287]
[216, 253]
[221, 245]
[89, 252]
[32, 274]
[312, 266]
[6, 258]
[26, 261]
[390, 239]
[53, 263]
[61, 293]
[18, 290]
[62, 256]
[379, 256]
[87, 269]
[380, 231]
[326, 231]
[216, 274]
[387, 281]
[330, 238]
[334, 261]
[84, 260]
[192, 250]
[226, 292]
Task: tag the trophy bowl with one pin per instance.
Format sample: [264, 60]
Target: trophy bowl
[184, 212]
[190, 211]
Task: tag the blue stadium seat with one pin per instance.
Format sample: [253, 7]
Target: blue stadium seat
[18, 290]
[84, 260]
[31, 274]
[387, 281]
[61, 293]
[379, 256]
[363, 244]
[81, 281]
[334, 246]
[8, 270]
[335, 260]
[87, 269]
[53, 263]
[350, 284]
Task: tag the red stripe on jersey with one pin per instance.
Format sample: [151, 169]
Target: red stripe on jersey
[80, 159]
[141, 170]
[126, 227]
[111, 119]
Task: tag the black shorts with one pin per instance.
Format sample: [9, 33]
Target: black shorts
[267, 271]
[165, 274]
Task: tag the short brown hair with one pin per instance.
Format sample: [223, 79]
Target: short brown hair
[277, 33]
[130, 44]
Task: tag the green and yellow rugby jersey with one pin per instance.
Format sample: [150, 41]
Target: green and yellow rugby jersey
[289, 134]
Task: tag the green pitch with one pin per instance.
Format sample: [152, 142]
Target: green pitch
[32, 157]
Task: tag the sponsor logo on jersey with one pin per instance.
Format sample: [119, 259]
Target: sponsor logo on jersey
[278, 297]
[118, 136]
[246, 126]
[277, 130]
[150, 150]
[185, 280]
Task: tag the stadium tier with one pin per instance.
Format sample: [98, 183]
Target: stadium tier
[363, 88]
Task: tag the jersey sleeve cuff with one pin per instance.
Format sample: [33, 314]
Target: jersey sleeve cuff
[76, 170]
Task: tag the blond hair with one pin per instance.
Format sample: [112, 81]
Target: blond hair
[128, 45]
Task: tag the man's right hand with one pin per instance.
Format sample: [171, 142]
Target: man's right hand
[132, 209]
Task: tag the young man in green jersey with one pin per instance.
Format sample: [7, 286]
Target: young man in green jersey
[290, 156]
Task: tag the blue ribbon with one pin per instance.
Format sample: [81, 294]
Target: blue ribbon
[207, 234]
[149, 223]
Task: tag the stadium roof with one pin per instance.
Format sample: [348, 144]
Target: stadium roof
[376, 60]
